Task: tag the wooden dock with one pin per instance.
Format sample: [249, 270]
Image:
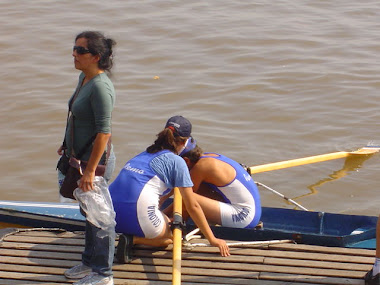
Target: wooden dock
[40, 256]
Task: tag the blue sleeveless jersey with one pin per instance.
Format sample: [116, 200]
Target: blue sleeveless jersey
[233, 195]
[126, 190]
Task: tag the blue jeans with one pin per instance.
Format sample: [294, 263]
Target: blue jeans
[110, 166]
[98, 252]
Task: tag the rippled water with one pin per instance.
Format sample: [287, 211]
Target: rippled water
[261, 82]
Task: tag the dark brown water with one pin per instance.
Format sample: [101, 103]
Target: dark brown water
[261, 82]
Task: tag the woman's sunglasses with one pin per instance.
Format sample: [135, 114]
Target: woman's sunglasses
[81, 50]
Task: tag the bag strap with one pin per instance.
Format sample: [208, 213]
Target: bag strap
[90, 141]
[71, 102]
[83, 150]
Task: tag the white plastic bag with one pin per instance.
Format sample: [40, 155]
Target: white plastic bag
[97, 205]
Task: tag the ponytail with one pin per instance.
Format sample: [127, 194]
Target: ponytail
[166, 140]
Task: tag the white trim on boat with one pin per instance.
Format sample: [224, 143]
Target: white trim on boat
[44, 205]
[40, 217]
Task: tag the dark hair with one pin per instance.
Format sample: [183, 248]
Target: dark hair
[194, 155]
[166, 140]
[98, 44]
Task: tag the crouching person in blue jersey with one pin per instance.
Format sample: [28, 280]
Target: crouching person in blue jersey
[136, 191]
[226, 192]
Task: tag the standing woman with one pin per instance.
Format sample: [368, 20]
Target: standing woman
[88, 131]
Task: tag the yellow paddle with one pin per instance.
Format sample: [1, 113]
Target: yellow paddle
[367, 150]
[177, 237]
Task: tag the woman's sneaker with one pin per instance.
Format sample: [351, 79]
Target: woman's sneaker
[78, 271]
[369, 279]
[95, 279]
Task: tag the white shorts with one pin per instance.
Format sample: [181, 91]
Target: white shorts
[236, 216]
[152, 222]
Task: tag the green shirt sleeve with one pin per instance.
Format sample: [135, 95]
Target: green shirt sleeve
[102, 102]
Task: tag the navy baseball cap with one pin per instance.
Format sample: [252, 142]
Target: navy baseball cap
[180, 125]
[190, 144]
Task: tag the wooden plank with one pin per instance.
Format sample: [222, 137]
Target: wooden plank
[30, 277]
[18, 282]
[32, 269]
[4, 253]
[324, 249]
[49, 233]
[307, 279]
[158, 276]
[216, 271]
[42, 247]
[49, 240]
[318, 264]
[296, 253]
[38, 261]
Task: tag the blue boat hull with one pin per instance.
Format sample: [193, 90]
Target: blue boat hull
[35, 214]
[315, 228]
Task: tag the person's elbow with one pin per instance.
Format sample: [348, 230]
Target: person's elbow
[193, 207]
[104, 135]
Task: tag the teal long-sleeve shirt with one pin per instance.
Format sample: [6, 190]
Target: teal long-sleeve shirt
[91, 112]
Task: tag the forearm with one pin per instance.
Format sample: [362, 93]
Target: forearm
[196, 213]
[100, 143]
[198, 216]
